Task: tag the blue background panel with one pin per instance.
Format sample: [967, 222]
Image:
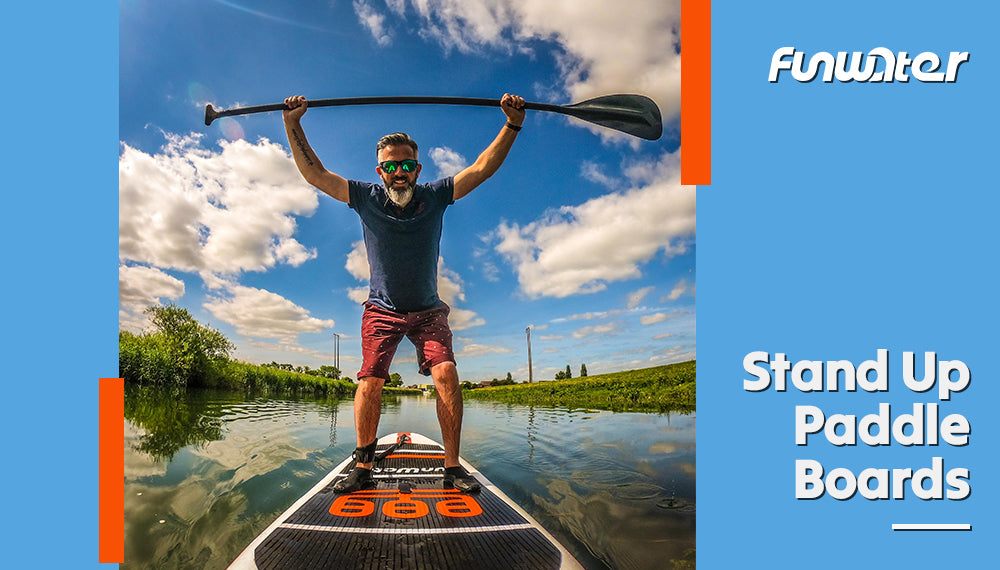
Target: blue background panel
[844, 218]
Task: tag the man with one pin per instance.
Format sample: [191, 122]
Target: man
[402, 223]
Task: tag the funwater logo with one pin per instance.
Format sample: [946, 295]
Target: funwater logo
[879, 65]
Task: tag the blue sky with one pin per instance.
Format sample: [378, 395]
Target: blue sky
[585, 235]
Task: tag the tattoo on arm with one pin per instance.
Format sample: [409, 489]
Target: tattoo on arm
[302, 146]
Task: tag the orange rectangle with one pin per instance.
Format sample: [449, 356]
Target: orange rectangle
[111, 470]
[696, 92]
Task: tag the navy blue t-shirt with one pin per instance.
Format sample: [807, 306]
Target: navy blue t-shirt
[403, 244]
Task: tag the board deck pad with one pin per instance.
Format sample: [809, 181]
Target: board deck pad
[407, 520]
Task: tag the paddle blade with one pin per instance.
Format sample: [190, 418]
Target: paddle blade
[210, 114]
[636, 115]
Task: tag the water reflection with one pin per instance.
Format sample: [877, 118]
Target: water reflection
[619, 487]
[205, 473]
[333, 424]
[168, 421]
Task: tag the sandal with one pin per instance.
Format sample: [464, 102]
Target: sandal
[459, 478]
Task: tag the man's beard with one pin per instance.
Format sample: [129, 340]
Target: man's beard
[400, 197]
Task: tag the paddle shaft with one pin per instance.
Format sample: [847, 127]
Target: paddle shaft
[211, 114]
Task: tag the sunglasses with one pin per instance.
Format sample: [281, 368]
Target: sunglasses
[390, 166]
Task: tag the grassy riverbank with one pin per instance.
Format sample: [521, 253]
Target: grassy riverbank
[658, 389]
[180, 352]
[246, 377]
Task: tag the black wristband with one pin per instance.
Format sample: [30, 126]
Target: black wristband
[514, 128]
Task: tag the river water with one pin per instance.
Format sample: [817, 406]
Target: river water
[206, 472]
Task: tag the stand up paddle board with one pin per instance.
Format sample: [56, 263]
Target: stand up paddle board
[407, 520]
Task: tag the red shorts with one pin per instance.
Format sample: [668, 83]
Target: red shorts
[382, 330]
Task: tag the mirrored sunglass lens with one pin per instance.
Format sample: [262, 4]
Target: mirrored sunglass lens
[389, 166]
[409, 165]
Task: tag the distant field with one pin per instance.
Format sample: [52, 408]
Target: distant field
[658, 389]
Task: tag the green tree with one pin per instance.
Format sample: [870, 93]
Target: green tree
[560, 375]
[505, 382]
[327, 371]
[192, 347]
[568, 373]
[395, 380]
[583, 371]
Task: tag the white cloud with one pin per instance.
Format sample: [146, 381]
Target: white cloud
[373, 21]
[673, 354]
[357, 266]
[258, 313]
[472, 349]
[397, 6]
[593, 173]
[358, 294]
[490, 271]
[636, 297]
[652, 319]
[321, 356]
[140, 287]
[657, 318]
[449, 284]
[357, 262]
[461, 319]
[595, 330]
[678, 290]
[216, 213]
[447, 161]
[603, 47]
[589, 316]
[579, 249]
[213, 213]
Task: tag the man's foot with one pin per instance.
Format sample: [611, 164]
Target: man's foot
[460, 479]
[359, 478]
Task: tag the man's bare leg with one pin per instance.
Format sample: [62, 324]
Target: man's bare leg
[449, 410]
[367, 411]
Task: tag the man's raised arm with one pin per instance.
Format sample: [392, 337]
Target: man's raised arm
[491, 158]
[305, 159]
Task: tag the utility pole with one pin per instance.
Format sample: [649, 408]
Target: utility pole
[336, 351]
[528, 330]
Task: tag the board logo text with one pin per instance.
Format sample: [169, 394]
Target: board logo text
[402, 505]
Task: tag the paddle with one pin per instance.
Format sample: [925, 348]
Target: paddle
[636, 115]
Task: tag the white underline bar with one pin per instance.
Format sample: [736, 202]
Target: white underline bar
[495, 528]
[931, 526]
